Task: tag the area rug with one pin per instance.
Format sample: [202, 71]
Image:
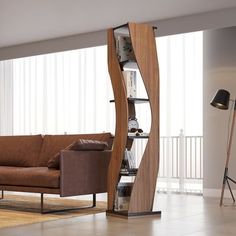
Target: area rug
[18, 210]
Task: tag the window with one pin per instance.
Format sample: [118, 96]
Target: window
[69, 92]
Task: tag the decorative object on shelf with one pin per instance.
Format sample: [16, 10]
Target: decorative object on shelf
[221, 101]
[141, 53]
[132, 123]
[135, 131]
[124, 49]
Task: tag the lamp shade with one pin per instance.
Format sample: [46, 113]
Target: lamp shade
[221, 99]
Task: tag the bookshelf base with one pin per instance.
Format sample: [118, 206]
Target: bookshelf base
[126, 214]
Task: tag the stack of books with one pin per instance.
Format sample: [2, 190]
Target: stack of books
[123, 196]
[130, 82]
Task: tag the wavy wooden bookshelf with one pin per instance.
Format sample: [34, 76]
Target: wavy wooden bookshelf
[143, 191]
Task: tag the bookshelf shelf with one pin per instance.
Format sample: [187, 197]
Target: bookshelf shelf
[137, 137]
[128, 174]
[139, 48]
[135, 100]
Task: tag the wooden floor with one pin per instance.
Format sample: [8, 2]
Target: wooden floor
[18, 210]
[181, 215]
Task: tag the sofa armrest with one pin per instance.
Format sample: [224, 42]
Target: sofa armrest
[83, 172]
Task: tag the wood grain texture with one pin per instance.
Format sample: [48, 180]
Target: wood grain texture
[22, 209]
[121, 107]
[144, 46]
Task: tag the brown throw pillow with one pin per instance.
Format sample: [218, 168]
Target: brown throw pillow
[83, 144]
[80, 145]
[54, 162]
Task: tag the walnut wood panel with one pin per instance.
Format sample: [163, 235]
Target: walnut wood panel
[121, 106]
[144, 46]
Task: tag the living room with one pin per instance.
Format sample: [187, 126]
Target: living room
[55, 82]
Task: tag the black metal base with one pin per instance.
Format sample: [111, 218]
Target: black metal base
[2, 195]
[126, 214]
[42, 211]
[227, 179]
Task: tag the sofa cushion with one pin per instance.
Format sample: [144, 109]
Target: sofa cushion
[53, 144]
[54, 162]
[29, 177]
[22, 151]
[79, 145]
[89, 145]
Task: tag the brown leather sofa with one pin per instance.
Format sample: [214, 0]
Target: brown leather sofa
[23, 165]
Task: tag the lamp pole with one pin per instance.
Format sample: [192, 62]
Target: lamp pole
[226, 178]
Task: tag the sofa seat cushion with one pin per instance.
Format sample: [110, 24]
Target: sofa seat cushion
[30, 177]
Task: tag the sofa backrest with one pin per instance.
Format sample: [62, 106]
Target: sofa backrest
[21, 151]
[52, 144]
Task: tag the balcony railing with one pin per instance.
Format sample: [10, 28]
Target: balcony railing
[181, 160]
[172, 155]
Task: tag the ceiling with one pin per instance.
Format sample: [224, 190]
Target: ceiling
[24, 21]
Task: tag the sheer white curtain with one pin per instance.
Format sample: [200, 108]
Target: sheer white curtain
[64, 92]
[6, 95]
[180, 61]
[69, 92]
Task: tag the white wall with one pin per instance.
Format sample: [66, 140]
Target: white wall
[219, 71]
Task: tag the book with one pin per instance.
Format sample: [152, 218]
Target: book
[130, 160]
[124, 49]
[130, 83]
[123, 193]
[127, 172]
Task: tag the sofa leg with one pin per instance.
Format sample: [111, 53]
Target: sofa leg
[68, 209]
[94, 199]
[41, 204]
[2, 195]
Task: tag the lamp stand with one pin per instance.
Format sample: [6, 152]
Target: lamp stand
[226, 178]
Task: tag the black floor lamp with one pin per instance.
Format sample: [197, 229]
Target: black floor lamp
[221, 101]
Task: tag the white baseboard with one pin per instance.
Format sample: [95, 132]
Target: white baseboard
[209, 192]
